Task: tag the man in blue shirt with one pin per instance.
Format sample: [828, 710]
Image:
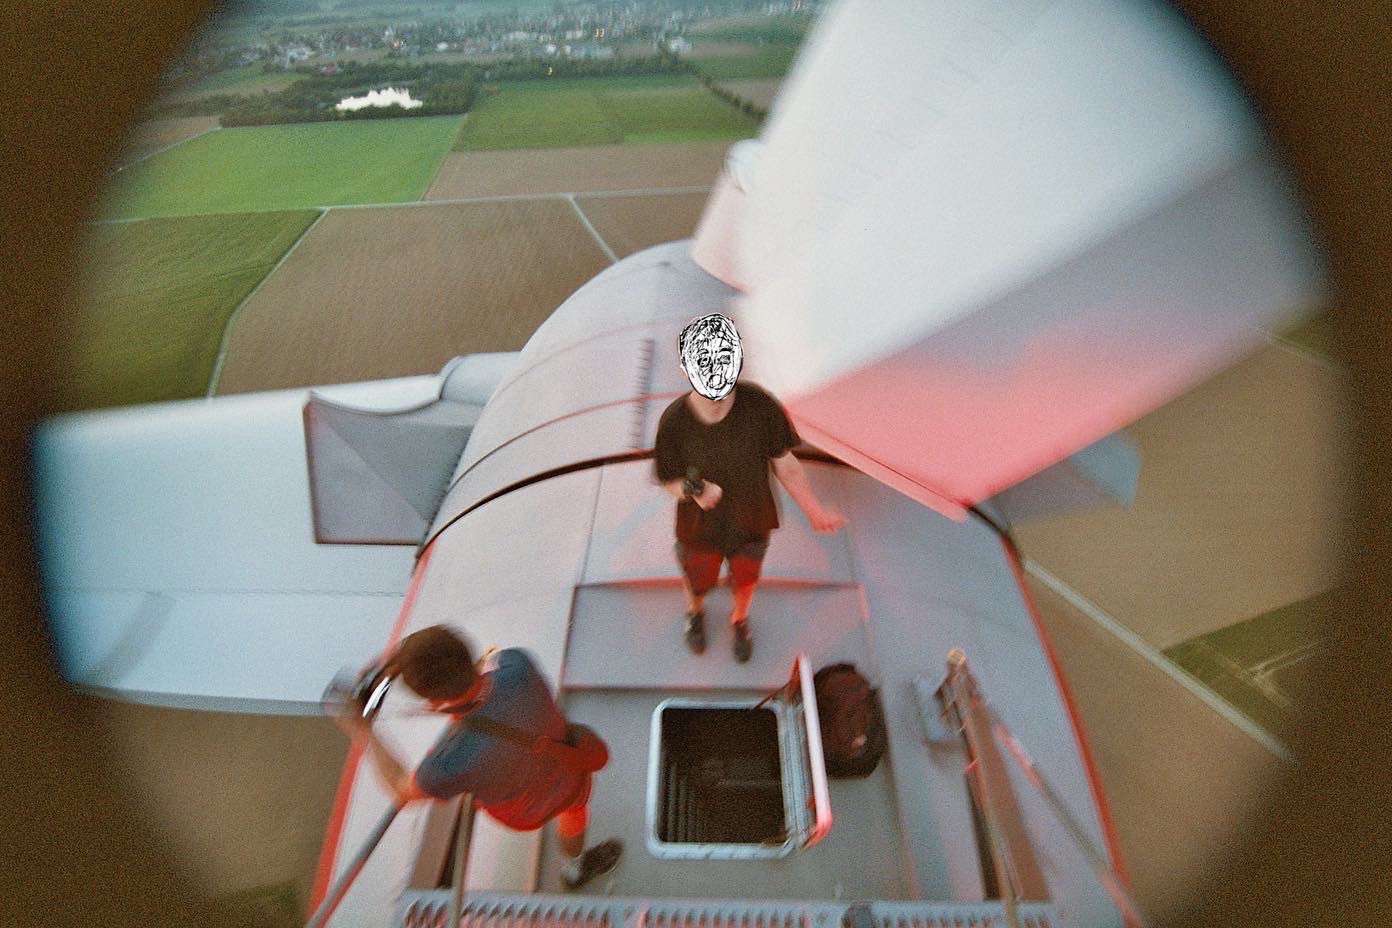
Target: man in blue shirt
[510, 779]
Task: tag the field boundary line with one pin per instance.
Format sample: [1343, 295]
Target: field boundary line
[506, 197]
[231, 319]
[1211, 699]
[1291, 346]
[435, 174]
[613, 258]
[161, 151]
[458, 201]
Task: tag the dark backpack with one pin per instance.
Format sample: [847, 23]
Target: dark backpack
[853, 725]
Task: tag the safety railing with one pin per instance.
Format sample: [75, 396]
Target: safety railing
[427, 909]
[1006, 835]
[335, 895]
[463, 839]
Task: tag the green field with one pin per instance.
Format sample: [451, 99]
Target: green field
[287, 167]
[756, 28]
[246, 80]
[766, 61]
[1315, 334]
[1262, 666]
[155, 298]
[563, 113]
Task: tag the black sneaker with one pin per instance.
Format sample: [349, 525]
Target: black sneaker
[744, 644]
[696, 632]
[597, 861]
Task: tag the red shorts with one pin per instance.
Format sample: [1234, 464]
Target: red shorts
[571, 822]
[570, 819]
[701, 564]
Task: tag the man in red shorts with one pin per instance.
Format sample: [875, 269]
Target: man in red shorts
[501, 711]
[713, 452]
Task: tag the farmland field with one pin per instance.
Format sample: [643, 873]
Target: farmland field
[1261, 666]
[753, 28]
[1314, 334]
[250, 79]
[762, 61]
[395, 291]
[287, 167]
[630, 224]
[577, 170]
[562, 114]
[150, 137]
[759, 91]
[156, 297]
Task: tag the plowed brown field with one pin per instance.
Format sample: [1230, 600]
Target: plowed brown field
[632, 223]
[150, 137]
[395, 291]
[588, 169]
[1236, 512]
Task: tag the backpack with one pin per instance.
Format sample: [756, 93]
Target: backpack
[852, 722]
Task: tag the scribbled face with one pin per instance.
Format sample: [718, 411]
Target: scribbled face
[712, 361]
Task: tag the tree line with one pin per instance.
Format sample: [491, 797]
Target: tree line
[748, 107]
[441, 88]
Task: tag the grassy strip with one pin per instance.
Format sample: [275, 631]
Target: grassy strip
[249, 79]
[679, 114]
[771, 29]
[1315, 335]
[767, 61]
[537, 114]
[268, 168]
[562, 114]
[1260, 666]
[156, 297]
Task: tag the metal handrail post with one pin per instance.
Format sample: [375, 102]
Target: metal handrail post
[463, 841]
[997, 845]
[963, 700]
[340, 888]
[1121, 895]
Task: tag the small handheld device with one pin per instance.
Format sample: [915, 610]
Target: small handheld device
[693, 485]
[363, 691]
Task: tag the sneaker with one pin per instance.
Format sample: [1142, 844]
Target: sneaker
[744, 644]
[597, 861]
[696, 632]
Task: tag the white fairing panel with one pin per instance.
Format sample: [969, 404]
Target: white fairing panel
[592, 381]
[1025, 225]
[179, 558]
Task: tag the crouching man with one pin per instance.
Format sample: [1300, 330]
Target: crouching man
[509, 745]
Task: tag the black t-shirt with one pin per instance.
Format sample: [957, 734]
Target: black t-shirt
[735, 454]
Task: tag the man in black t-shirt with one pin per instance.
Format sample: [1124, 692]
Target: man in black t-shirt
[713, 452]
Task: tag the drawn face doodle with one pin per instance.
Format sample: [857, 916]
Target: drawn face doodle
[711, 356]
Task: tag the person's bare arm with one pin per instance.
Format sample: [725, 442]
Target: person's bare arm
[401, 783]
[790, 472]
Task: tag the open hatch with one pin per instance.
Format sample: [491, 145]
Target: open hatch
[738, 779]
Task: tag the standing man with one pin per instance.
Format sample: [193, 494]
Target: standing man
[506, 745]
[713, 452]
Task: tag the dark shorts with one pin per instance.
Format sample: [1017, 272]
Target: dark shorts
[701, 563]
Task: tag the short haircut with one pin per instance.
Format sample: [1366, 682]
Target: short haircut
[435, 663]
[712, 324]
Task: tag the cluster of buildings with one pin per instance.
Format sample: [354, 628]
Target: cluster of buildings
[583, 30]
